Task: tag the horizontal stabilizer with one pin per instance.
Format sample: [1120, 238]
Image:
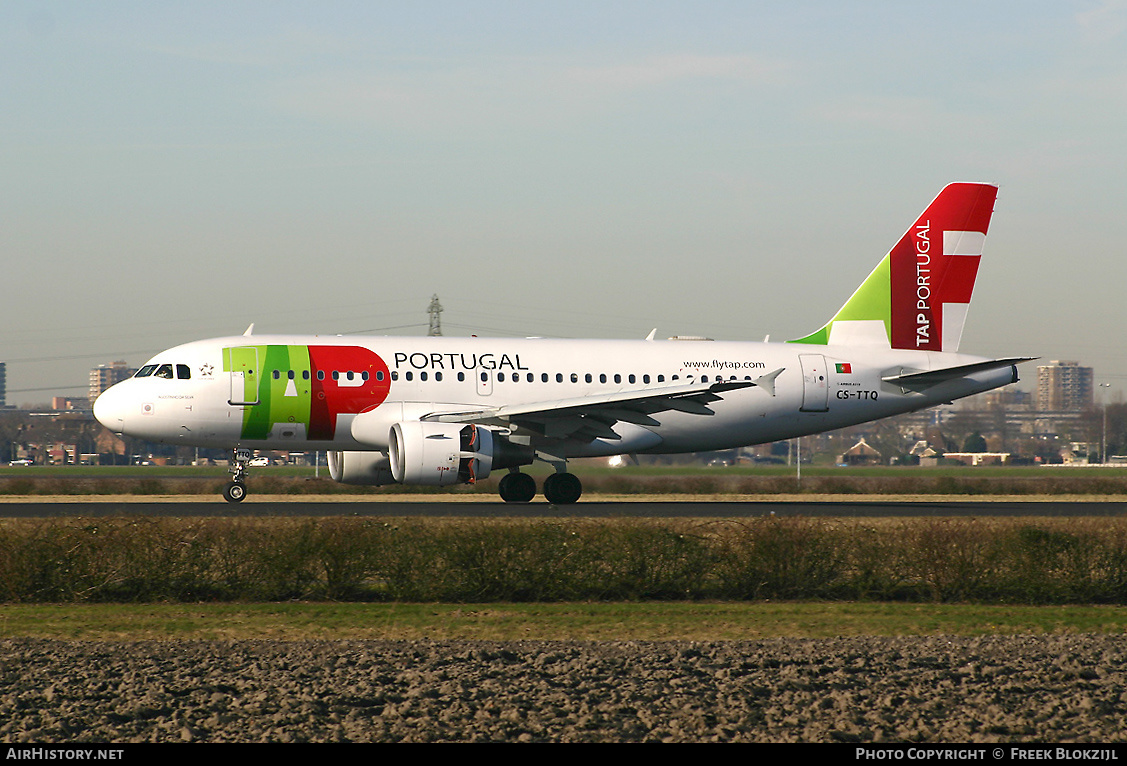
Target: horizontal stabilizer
[920, 380]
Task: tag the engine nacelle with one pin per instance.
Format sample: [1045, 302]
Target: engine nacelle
[369, 468]
[439, 454]
[435, 454]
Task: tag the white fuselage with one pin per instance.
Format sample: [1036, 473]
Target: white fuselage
[307, 392]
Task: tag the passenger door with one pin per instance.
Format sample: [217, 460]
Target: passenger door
[245, 373]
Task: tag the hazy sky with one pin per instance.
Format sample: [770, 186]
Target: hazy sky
[176, 170]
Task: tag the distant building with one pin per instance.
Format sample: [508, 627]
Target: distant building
[1008, 398]
[3, 384]
[860, 453]
[977, 458]
[103, 376]
[1064, 387]
[69, 403]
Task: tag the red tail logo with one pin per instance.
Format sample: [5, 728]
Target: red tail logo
[934, 265]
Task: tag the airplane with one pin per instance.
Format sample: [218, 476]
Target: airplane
[444, 410]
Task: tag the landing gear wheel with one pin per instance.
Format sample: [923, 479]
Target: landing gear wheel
[235, 491]
[517, 488]
[562, 488]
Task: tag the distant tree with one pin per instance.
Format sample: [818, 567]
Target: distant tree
[976, 442]
[1116, 429]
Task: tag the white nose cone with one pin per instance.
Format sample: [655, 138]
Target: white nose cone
[109, 409]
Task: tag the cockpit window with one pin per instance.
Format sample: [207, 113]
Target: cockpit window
[164, 371]
[145, 371]
[183, 372]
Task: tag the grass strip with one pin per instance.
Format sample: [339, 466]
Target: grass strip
[651, 621]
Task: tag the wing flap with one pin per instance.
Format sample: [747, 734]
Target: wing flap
[594, 416]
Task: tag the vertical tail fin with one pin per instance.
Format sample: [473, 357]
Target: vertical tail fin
[917, 296]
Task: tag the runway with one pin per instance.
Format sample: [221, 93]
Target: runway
[589, 509]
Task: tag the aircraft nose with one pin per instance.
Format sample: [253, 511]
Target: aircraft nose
[109, 409]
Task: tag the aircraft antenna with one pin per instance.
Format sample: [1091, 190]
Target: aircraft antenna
[435, 310]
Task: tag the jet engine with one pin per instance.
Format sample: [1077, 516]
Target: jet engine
[439, 454]
[435, 454]
[369, 468]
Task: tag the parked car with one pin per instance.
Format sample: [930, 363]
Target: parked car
[20, 461]
[259, 461]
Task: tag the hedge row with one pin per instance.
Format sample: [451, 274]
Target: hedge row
[159, 559]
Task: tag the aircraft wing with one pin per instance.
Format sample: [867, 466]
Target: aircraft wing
[593, 416]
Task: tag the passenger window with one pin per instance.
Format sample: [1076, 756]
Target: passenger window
[379, 375]
[603, 377]
[660, 378]
[617, 378]
[574, 378]
[531, 378]
[183, 372]
[632, 379]
[543, 377]
[305, 374]
[422, 376]
[290, 374]
[320, 374]
[559, 377]
[395, 375]
[408, 375]
[645, 378]
[438, 376]
[461, 376]
[276, 375]
[588, 377]
[364, 375]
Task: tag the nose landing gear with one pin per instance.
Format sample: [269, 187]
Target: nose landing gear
[236, 489]
[234, 492]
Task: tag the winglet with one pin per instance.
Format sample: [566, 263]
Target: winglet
[250, 329]
[652, 333]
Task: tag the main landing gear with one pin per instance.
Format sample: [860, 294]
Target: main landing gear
[560, 488]
[236, 489]
[517, 487]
